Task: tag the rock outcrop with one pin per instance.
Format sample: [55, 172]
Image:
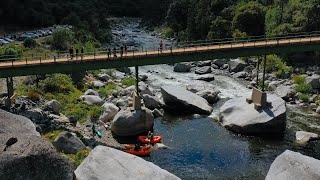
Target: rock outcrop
[105, 163]
[285, 92]
[314, 81]
[130, 123]
[302, 137]
[183, 101]
[182, 67]
[241, 117]
[24, 155]
[203, 70]
[54, 106]
[236, 65]
[294, 166]
[68, 143]
[110, 111]
[151, 102]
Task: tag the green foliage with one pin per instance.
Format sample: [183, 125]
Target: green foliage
[303, 88]
[62, 39]
[52, 135]
[57, 83]
[260, 84]
[79, 157]
[238, 34]
[128, 81]
[167, 32]
[304, 97]
[29, 43]
[277, 65]
[106, 90]
[298, 79]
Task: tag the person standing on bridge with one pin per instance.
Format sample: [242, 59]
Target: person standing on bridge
[161, 46]
[109, 52]
[77, 53]
[81, 53]
[114, 52]
[125, 49]
[121, 51]
[71, 52]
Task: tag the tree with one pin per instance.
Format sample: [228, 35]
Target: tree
[29, 43]
[62, 39]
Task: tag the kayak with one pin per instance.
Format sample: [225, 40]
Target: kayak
[141, 152]
[142, 147]
[156, 139]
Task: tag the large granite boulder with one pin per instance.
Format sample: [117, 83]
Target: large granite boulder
[314, 81]
[203, 70]
[92, 100]
[91, 92]
[103, 77]
[212, 96]
[294, 166]
[104, 163]
[302, 137]
[285, 92]
[151, 102]
[241, 117]
[206, 77]
[130, 123]
[110, 111]
[54, 106]
[241, 74]
[182, 67]
[236, 65]
[220, 62]
[27, 156]
[68, 143]
[183, 101]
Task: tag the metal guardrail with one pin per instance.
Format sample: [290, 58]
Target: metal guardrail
[179, 47]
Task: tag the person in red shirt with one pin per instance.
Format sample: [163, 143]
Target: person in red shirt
[161, 46]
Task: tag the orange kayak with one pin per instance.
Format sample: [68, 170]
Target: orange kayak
[142, 147]
[141, 152]
[156, 139]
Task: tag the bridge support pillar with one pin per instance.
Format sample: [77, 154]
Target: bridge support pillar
[10, 91]
[136, 98]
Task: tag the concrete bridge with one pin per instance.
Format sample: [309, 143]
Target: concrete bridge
[188, 51]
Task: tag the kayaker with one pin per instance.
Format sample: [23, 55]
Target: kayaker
[149, 135]
[137, 146]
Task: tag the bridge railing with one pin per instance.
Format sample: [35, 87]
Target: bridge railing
[102, 53]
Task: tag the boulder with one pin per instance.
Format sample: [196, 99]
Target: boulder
[36, 115]
[104, 163]
[225, 66]
[236, 65]
[127, 91]
[210, 95]
[68, 143]
[314, 81]
[130, 123]
[122, 103]
[182, 67]
[144, 89]
[203, 70]
[294, 166]
[204, 63]
[181, 100]
[54, 106]
[98, 84]
[110, 111]
[125, 70]
[248, 69]
[103, 77]
[214, 66]
[241, 117]
[92, 100]
[220, 62]
[27, 156]
[206, 77]
[240, 75]
[318, 110]
[302, 137]
[285, 92]
[91, 92]
[157, 113]
[143, 77]
[151, 102]
[59, 119]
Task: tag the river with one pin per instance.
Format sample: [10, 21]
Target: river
[201, 148]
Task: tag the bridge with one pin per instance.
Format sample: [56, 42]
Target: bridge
[184, 52]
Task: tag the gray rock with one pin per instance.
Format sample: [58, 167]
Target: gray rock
[104, 163]
[225, 66]
[206, 77]
[97, 84]
[184, 101]
[27, 156]
[61, 119]
[313, 98]
[91, 92]
[220, 62]
[110, 111]
[294, 166]
[143, 77]
[303, 137]
[92, 100]
[54, 105]
[203, 70]
[144, 89]
[239, 116]
[127, 91]
[151, 102]
[214, 66]
[204, 63]
[285, 92]
[130, 123]
[248, 69]
[122, 103]
[125, 70]
[182, 67]
[240, 75]
[157, 113]
[36, 115]
[210, 95]
[236, 65]
[68, 143]
[314, 81]
[103, 77]
[318, 110]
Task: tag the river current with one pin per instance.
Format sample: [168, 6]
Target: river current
[201, 148]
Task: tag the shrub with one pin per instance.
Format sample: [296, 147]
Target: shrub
[79, 157]
[298, 79]
[303, 88]
[277, 65]
[29, 43]
[34, 95]
[107, 88]
[303, 97]
[167, 32]
[62, 39]
[57, 83]
[128, 81]
[52, 135]
[266, 85]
